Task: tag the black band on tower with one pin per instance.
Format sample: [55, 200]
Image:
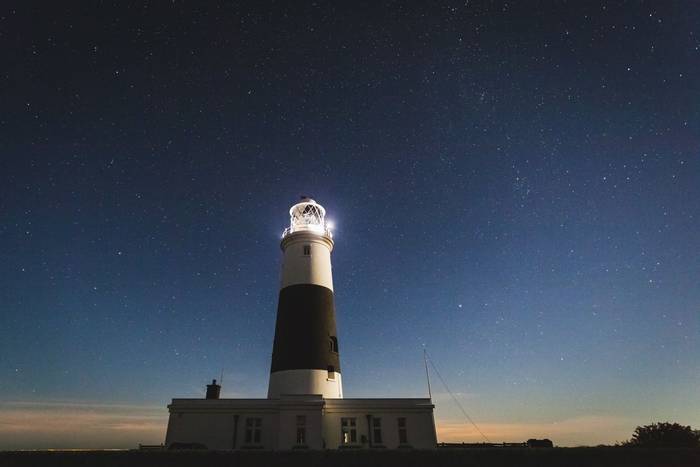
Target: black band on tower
[305, 333]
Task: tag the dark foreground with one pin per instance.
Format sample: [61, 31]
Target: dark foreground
[568, 457]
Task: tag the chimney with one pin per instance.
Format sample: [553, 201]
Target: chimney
[213, 390]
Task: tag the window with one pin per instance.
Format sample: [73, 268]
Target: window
[403, 435]
[348, 430]
[333, 344]
[307, 250]
[301, 429]
[377, 430]
[253, 428]
[331, 372]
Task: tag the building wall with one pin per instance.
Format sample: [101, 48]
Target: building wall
[212, 422]
[216, 430]
[287, 432]
[420, 427]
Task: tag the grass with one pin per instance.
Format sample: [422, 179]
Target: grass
[495, 457]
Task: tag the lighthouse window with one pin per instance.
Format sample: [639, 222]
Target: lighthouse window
[333, 344]
[377, 430]
[253, 428]
[307, 250]
[348, 430]
[331, 372]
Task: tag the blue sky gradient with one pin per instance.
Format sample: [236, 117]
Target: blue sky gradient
[515, 187]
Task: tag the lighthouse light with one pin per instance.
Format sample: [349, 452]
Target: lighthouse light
[307, 216]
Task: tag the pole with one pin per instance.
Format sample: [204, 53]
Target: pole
[427, 374]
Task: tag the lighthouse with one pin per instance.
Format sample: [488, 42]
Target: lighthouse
[305, 407]
[305, 357]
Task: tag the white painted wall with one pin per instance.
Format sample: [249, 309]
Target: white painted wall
[420, 425]
[215, 429]
[305, 382]
[298, 268]
[287, 436]
[211, 422]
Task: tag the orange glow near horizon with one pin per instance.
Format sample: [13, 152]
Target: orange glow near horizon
[79, 426]
[578, 431]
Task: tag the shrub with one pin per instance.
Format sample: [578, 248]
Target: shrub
[664, 435]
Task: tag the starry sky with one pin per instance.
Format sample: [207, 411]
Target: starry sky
[514, 185]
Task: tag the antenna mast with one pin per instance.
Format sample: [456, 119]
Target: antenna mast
[427, 374]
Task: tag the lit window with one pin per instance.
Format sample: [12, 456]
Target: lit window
[403, 435]
[307, 250]
[301, 429]
[253, 428]
[348, 430]
[331, 372]
[377, 430]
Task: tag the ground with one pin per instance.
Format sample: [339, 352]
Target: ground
[569, 457]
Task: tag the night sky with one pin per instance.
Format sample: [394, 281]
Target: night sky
[514, 185]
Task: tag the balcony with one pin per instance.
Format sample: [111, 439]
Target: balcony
[313, 228]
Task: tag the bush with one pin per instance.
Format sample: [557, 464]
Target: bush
[664, 435]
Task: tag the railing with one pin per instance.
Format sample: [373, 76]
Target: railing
[315, 228]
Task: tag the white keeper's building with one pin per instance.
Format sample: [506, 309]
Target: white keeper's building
[305, 407]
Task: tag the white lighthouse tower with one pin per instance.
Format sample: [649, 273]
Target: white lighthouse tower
[305, 357]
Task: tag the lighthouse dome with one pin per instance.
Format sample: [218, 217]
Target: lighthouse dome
[307, 216]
